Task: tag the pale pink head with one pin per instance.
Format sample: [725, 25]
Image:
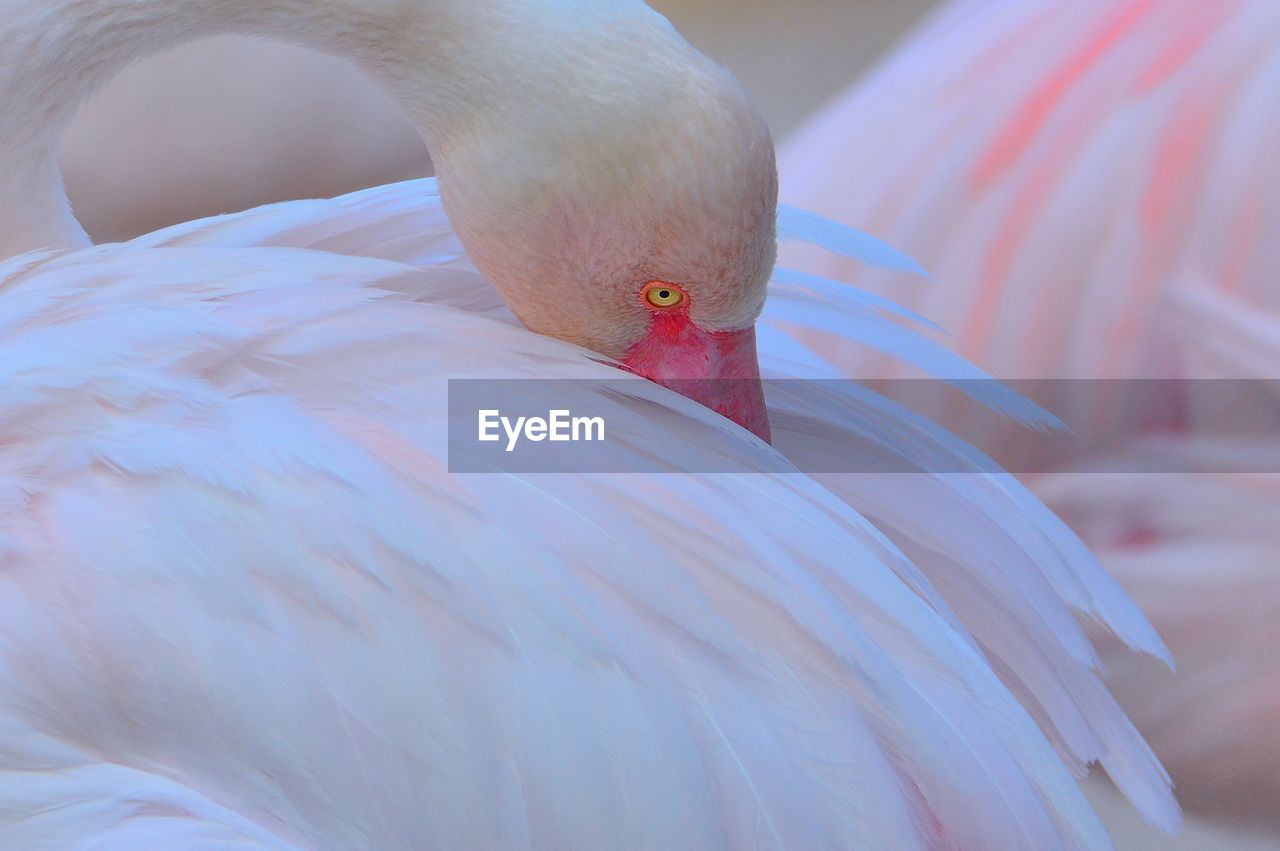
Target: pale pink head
[623, 165]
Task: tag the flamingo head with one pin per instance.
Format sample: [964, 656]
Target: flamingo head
[633, 212]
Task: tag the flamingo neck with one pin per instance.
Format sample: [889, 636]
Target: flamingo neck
[461, 69]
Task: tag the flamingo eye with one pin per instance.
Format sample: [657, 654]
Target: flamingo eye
[662, 295]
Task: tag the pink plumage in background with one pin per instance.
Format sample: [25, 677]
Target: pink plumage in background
[1095, 187]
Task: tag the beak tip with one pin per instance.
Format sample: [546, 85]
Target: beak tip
[718, 369]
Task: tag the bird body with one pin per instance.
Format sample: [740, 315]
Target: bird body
[245, 602]
[246, 598]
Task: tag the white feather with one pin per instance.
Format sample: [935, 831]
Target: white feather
[229, 466]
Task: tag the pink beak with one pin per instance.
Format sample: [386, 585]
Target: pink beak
[718, 369]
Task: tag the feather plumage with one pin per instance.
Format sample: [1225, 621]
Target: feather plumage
[235, 563]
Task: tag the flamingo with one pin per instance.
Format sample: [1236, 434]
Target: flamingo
[1095, 188]
[245, 603]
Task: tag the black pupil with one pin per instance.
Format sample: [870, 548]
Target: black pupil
[664, 294]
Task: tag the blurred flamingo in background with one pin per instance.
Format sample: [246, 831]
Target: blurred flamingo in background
[244, 601]
[1095, 187]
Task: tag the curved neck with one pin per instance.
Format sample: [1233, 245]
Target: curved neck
[452, 64]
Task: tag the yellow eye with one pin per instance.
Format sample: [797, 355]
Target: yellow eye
[663, 295]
